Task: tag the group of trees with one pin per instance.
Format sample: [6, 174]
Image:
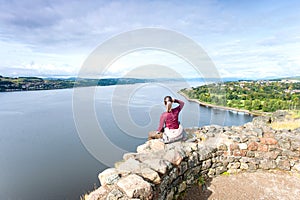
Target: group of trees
[36, 83]
[267, 96]
[32, 83]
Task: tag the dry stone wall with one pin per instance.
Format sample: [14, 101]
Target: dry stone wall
[164, 171]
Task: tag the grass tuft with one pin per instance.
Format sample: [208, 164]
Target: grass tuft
[225, 173]
[201, 181]
[295, 114]
[289, 125]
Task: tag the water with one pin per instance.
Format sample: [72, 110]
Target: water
[41, 154]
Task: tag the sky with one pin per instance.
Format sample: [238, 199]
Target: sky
[244, 39]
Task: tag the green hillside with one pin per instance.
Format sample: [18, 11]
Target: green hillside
[266, 96]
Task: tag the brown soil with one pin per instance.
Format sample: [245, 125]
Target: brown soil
[246, 186]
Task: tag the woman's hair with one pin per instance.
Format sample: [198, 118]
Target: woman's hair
[169, 106]
[168, 103]
[167, 98]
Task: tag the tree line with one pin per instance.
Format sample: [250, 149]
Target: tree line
[267, 96]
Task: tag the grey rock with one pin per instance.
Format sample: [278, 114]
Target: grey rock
[190, 177]
[210, 134]
[182, 187]
[250, 154]
[204, 154]
[189, 147]
[174, 173]
[128, 166]
[272, 155]
[243, 146]
[196, 170]
[230, 159]
[295, 144]
[165, 183]
[129, 155]
[244, 138]
[283, 163]
[211, 172]
[296, 167]
[98, 194]
[143, 148]
[244, 160]
[244, 166]
[149, 174]
[258, 131]
[173, 157]
[109, 176]
[115, 194]
[252, 166]
[182, 167]
[170, 195]
[193, 160]
[158, 165]
[284, 144]
[234, 165]
[220, 170]
[267, 164]
[236, 139]
[290, 154]
[135, 187]
[206, 164]
[222, 147]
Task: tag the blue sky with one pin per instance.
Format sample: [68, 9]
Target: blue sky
[245, 39]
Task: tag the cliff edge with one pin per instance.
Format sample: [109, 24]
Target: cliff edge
[166, 171]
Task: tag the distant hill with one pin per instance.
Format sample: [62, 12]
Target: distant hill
[9, 84]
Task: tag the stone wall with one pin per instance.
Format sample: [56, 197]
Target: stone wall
[164, 171]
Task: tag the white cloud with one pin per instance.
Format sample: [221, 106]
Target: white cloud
[241, 37]
[17, 59]
[160, 64]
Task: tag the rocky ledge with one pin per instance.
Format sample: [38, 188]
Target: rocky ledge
[165, 171]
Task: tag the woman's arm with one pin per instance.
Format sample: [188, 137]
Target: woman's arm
[181, 103]
[161, 123]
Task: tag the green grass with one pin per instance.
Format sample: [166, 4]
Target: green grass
[295, 114]
[289, 125]
[291, 122]
[225, 173]
[201, 181]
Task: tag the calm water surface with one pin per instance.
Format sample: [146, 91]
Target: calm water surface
[41, 154]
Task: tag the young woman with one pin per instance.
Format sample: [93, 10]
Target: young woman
[169, 124]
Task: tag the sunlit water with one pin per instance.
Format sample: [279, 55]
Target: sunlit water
[41, 154]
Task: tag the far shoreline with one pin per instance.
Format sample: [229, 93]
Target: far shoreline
[220, 107]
